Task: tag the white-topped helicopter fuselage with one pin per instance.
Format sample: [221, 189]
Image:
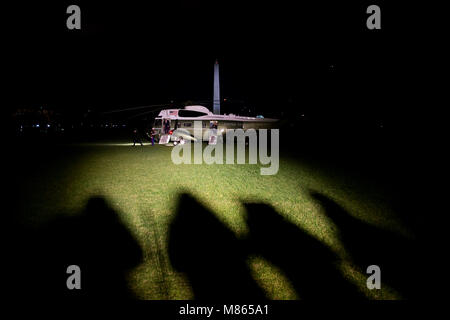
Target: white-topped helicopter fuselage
[181, 123]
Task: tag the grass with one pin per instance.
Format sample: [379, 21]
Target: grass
[143, 185]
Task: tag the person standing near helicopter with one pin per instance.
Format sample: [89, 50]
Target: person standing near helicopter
[136, 137]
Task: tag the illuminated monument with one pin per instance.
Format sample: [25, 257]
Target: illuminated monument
[216, 101]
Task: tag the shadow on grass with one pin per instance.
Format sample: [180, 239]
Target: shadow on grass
[369, 245]
[307, 263]
[96, 241]
[214, 260]
[209, 254]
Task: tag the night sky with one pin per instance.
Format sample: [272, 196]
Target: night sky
[316, 57]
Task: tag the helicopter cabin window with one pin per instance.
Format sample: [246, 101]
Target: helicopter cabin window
[190, 113]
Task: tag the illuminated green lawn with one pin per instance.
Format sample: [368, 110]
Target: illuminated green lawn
[143, 185]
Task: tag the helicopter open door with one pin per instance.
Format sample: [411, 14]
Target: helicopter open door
[165, 130]
[212, 139]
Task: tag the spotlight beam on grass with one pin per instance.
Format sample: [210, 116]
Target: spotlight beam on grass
[139, 182]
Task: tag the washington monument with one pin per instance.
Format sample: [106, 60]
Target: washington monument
[216, 101]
